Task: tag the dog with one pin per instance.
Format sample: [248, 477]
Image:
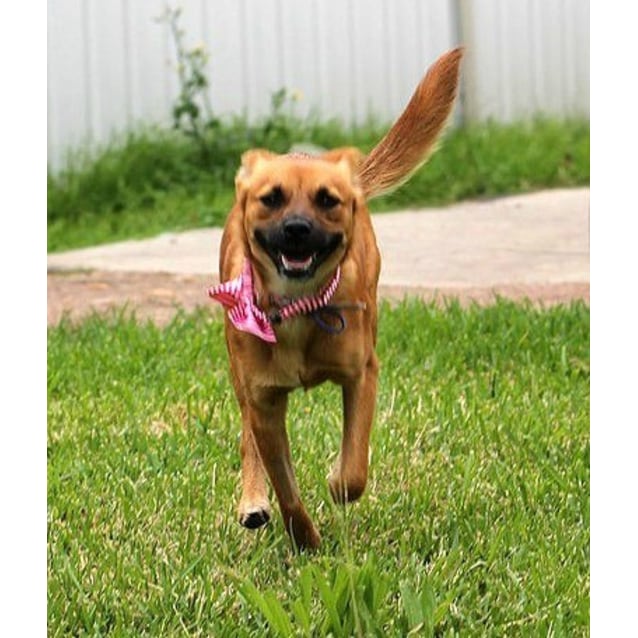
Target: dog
[299, 267]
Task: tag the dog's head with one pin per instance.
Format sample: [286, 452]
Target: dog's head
[298, 211]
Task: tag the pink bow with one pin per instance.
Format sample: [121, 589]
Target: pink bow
[238, 295]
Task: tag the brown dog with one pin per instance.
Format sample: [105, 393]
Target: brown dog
[300, 266]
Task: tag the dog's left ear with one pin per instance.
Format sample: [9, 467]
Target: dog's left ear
[348, 157]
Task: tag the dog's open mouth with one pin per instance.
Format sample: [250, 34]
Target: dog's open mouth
[298, 258]
[297, 265]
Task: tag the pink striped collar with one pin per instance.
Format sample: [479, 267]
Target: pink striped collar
[238, 297]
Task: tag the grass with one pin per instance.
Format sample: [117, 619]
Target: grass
[154, 181]
[475, 521]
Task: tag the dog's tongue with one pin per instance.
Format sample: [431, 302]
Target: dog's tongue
[296, 264]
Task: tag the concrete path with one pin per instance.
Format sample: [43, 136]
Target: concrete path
[536, 239]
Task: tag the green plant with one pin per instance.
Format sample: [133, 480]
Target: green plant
[192, 113]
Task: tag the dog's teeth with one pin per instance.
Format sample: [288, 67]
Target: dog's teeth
[296, 264]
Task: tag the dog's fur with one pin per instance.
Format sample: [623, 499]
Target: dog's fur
[324, 196]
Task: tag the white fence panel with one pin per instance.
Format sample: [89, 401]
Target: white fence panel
[525, 57]
[111, 65]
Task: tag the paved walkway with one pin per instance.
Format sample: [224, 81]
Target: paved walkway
[541, 238]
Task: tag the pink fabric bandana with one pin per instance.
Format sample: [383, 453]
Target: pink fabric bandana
[238, 296]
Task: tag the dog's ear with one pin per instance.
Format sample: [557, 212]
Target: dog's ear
[249, 161]
[348, 156]
[411, 140]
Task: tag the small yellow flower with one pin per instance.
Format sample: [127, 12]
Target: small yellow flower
[296, 95]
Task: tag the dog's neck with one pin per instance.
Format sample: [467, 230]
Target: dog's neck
[241, 299]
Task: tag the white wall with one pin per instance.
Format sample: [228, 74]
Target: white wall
[525, 57]
[111, 64]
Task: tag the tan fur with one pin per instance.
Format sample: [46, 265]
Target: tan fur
[263, 374]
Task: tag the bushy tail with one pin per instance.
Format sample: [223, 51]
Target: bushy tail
[411, 140]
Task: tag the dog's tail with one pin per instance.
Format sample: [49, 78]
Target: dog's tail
[411, 140]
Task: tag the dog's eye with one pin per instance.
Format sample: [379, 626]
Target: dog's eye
[273, 199]
[325, 200]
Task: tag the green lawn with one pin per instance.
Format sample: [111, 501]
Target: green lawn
[155, 181]
[475, 521]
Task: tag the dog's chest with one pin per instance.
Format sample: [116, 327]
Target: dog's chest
[303, 357]
[290, 365]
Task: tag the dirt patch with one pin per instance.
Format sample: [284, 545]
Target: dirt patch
[158, 296]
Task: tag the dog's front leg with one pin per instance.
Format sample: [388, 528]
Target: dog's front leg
[268, 421]
[254, 509]
[349, 475]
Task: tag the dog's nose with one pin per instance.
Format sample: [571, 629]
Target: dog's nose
[297, 227]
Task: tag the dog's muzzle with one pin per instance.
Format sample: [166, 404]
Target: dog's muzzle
[297, 245]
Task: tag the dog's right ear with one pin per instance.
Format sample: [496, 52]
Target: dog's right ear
[249, 162]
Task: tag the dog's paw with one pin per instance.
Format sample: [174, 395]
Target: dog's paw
[254, 518]
[308, 540]
[302, 532]
[345, 490]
